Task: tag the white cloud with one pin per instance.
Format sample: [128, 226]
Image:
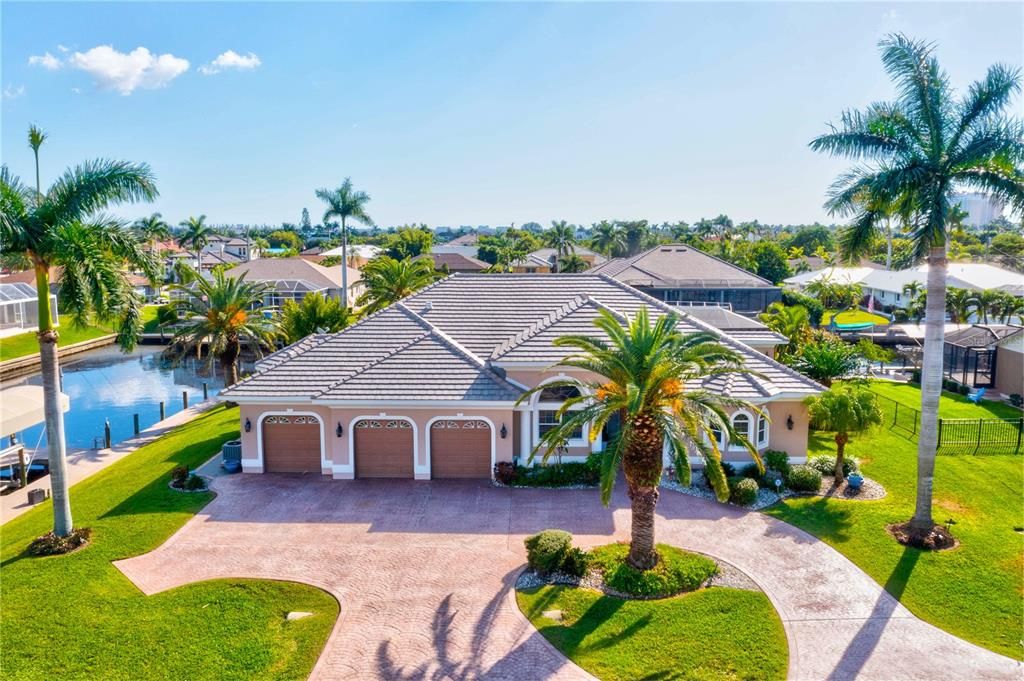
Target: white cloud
[61, 48]
[11, 92]
[76, 90]
[47, 61]
[125, 72]
[230, 60]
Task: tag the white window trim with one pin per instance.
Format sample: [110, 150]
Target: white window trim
[751, 424]
[537, 406]
[767, 430]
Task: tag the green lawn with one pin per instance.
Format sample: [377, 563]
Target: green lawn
[78, 617]
[973, 591]
[715, 633]
[852, 317]
[149, 324]
[27, 344]
[952, 405]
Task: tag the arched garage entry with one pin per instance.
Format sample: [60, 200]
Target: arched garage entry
[291, 443]
[461, 448]
[384, 448]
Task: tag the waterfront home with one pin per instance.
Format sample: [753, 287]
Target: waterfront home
[295, 278]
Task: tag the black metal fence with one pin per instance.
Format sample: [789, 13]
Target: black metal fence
[959, 436]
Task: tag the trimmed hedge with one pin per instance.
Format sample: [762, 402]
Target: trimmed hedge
[677, 571]
[826, 464]
[743, 491]
[546, 551]
[803, 479]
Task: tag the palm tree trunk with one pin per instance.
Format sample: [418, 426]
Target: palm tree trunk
[642, 464]
[888, 244]
[344, 263]
[643, 501]
[841, 440]
[931, 387]
[229, 362]
[54, 414]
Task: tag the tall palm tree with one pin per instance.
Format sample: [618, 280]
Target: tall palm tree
[345, 203]
[960, 302]
[387, 280]
[65, 227]
[919, 149]
[846, 408]
[152, 229]
[195, 237]
[607, 238]
[561, 237]
[223, 312]
[36, 137]
[792, 321]
[643, 368]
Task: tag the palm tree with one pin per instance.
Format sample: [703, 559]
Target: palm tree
[959, 303]
[911, 289]
[561, 237]
[315, 314]
[920, 148]
[345, 203]
[64, 227]
[221, 312]
[826, 358]
[643, 369]
[572, 263]
[607, 238]
[36, 137]
[987, 302]
[387, 280]
[152, 229]
[1010, 306]
[792, 321]
[847, 408]
[195, 237]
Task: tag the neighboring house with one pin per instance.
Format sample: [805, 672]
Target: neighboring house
[1010, 364]
[744, 329]
[19, 308]
[467, 245]
[142, 286]
[294, 278]
[680, 274]
[543, 260]
[229, 248]
[886, 286]
[455, 262]
[972, 356]
[428, 387]
[358, 254]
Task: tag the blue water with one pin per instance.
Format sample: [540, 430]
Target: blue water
[108, 384]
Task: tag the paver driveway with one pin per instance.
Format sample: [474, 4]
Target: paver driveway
[424, 573]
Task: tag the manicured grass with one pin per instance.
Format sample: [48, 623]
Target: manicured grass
[716, 633]
[852, 317]
[973, 591]
[676, 571]
[149, 324]
[24, 344]
[952, 405]
[77, 616]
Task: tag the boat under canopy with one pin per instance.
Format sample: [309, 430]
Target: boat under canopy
[21, 407]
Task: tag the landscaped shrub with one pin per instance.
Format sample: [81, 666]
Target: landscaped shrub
[576, 562]
[1017, 400]
[545, 551]
[728, 469]
[777, 460]
[179, 475]
[750, 471]
[52, 545]
[815, 310]
[743, 491]
[558, 475]
[195, 483]
[915, 376]
[804, 479]
[767, 481]
[826, 464]
[505, 472]
[676, 571]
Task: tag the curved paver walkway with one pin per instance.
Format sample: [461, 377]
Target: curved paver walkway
[424, 574]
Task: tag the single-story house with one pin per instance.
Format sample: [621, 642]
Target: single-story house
[544, 260]
[294, 278]
[973, 355]
[428, 387]
[455, 262]
[680, 274]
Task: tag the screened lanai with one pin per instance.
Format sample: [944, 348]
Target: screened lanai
[19, 309]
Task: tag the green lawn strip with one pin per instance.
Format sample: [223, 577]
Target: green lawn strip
[852, 317]
[952, 406]
[973, 591]
[716, 633]
[77, 616]
[24, 344]
[149, 320]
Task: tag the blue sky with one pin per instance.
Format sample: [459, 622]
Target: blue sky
[456, 114]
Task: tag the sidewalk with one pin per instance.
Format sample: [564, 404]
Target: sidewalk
[83, 463]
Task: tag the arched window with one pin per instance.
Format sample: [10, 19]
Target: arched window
[741, 424]
[548, 402]
[762, 431]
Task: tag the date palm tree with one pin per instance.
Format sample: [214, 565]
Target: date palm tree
[845, 408]
[644, 367]
[65, 227]
[387, 280]
[918, 150]
[792, 321]
[561, 236]
[315, 314]
[345, 203]
[607, 238]
[223, 312]
[195, 237]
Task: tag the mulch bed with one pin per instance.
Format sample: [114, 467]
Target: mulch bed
[936, 539]
[51, 545]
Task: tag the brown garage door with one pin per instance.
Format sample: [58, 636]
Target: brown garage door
[291, 444]
[383, 448]
[460, 448]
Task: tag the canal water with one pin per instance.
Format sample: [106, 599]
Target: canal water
[107, 384]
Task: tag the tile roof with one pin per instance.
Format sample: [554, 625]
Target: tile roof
[449, 340]
[294, 269]
[456, 262]
[679, 266]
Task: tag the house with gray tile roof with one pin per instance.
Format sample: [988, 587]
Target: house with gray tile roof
[429, 387]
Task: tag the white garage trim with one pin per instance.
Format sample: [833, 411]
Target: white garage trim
[461, 417]
[349, 470]
[289, 412]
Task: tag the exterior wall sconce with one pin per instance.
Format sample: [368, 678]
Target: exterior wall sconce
[338, 431]
[503, 431]
[789, 422]
[248, 425]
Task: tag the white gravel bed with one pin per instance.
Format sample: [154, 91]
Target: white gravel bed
[697, 488]
[496, 483]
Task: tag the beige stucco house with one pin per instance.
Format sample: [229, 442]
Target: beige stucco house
[427, 388]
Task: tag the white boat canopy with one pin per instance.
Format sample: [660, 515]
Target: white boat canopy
[21, 407]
